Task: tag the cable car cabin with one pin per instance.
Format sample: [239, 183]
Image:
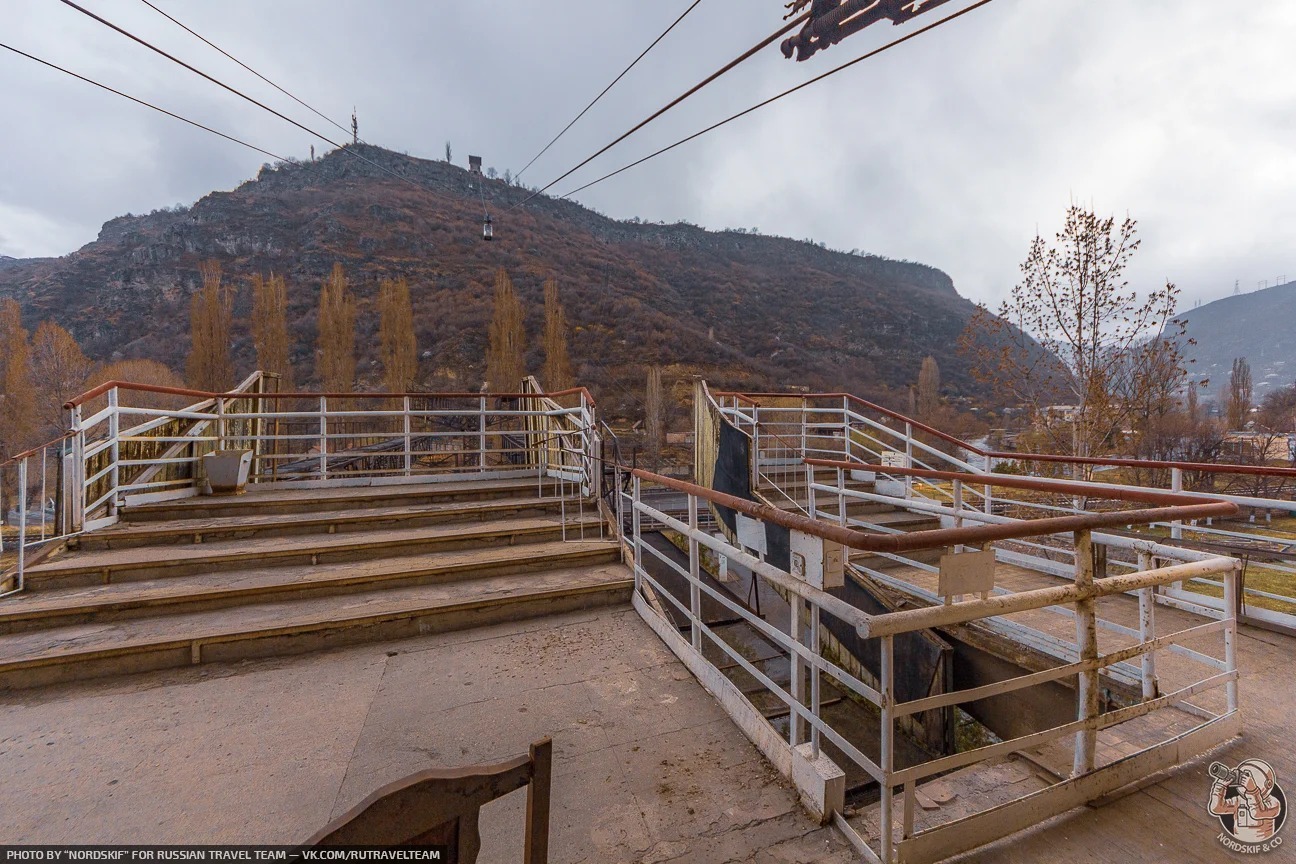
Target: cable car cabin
[488, 229]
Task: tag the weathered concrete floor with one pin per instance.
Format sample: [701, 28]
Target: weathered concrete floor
[647, 766]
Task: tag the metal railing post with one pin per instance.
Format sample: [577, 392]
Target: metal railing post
[1176, 485]
[635, 518]
[810, 492]
[695, 576]
[220, 423]
[44, 451]
[409, 446]
[1147, 629]
[77, 478]
[481, 436]
[22, 521]
[909, 463]
[796, 686]
[958, 508]
[1087, 645]
[814, 679]
[323, 437]
[886, 756]
[114, 429]
[1230, 633]
[841, 497]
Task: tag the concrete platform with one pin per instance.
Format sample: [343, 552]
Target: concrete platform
[647, 768]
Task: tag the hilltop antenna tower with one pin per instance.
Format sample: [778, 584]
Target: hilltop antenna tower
[355, 127]
[1237, 287]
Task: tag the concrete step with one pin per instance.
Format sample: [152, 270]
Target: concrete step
[301, 500]
[229, 588]
[103, 567]
[267, 629]
[127, 535]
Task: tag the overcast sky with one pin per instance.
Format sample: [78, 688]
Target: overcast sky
[952, 149]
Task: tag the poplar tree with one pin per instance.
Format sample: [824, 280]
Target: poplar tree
[505, 363]
[654, 422]
[557, 368]
[398, 347]
[211, 308]
[337, 311]
[270, 327]
[16, 393]
[1240, 393]
[928, 396]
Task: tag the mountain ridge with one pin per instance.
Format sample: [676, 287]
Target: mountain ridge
[744, 309]
[1259, 325]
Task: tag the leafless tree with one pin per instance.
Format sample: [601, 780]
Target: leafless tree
[1099, 338]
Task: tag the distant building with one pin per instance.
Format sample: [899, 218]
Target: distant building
[474, 164]
[1247, 445]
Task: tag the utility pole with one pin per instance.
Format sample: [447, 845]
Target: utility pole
[355, 127]
[312, 152]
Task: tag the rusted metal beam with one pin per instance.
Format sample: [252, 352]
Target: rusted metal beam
[936, 538]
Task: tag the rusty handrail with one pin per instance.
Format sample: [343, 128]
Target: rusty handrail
[971, 536]
[206, 394]
[1114, 461]
[33, 450]
[1033, 484]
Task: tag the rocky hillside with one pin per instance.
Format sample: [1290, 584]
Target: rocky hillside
[741, 308]
[1260, 326]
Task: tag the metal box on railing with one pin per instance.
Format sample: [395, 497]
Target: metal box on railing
[820, 562]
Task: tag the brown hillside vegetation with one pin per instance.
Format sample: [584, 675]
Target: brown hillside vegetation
[740, 308]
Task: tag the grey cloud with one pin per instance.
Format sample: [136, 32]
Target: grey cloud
[950, 150]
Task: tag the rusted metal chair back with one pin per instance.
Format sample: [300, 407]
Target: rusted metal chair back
[441, 806]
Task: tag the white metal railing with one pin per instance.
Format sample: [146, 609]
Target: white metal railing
[128, 451]
[810, 607]
[839, 427]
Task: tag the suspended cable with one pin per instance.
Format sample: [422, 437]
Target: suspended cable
[243, 95]
[304, 104]
[772, 99]
[746, 55]
[607, 88]
[142, 102]
[197, 35]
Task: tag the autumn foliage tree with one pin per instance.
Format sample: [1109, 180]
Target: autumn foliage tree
[337, 313]
[211, 308]
[557, 367]
[61, 368]
[16, 393]
[270, 327]
[398, 347]
[505, 358]
[1073, 332]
